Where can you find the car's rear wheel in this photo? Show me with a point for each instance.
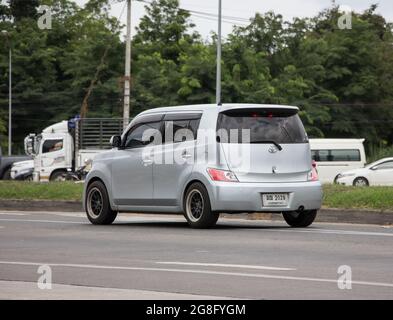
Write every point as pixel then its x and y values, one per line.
pixel 360 182
pixel 300 219
pixel 97 204
pixel 197 209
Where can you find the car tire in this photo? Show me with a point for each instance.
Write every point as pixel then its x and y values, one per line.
pixel 360 182
pixel 58 176
pixel 97 204
pixel 300 219
pixel 197 208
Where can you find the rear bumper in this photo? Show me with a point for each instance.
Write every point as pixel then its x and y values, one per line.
pixel 247 197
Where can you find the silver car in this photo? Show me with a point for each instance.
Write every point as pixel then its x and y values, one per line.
pixel 203 160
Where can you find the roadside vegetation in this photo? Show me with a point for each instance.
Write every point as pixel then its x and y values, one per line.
pixel 335 196
pixel 379 198
pixel 379 153
pixel 21 190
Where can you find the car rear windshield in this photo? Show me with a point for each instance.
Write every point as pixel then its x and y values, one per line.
pixel 263 125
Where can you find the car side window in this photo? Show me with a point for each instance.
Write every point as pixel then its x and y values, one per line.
pixel 336 155
pixel 180 130
pixel 52 145
pixel 385 165
pixel 193 126
pixel 142 134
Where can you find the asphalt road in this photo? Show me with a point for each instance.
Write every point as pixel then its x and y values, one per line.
pixel 160 257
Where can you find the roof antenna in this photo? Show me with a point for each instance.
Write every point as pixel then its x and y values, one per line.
pixel 218 75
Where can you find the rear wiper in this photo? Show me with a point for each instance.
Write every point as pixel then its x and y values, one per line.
pixel 269 141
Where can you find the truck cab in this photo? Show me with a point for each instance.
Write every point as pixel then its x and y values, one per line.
pixel 68 145
pixel 53 152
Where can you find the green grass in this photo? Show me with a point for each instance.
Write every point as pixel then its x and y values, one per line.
pixel 40 191
pixel 335 196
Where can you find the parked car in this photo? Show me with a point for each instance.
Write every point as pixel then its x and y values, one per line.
pixel 379 173
pixel 217 168
pixel 23 170
pixel 6 163
pixel 334 156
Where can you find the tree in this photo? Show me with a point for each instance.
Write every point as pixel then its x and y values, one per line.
pixel 162 29
pixel 20 9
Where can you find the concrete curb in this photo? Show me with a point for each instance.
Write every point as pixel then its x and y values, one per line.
pixel 41 205
pixel 353 216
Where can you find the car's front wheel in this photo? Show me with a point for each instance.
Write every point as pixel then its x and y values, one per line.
pixel 300 219
pixel 97 204
pixel 197 209
pixel 360 182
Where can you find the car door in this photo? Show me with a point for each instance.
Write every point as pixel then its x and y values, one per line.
pixel 177 156
pixel 132 170
pixel 382 174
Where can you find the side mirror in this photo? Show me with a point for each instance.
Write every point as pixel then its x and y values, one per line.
pixel 115 141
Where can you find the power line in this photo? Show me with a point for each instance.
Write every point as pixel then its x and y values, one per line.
pixel 210 16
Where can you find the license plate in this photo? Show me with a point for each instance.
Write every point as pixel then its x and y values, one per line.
pixel 275 199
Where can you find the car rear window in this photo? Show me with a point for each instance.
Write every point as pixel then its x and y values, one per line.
pixel 278 125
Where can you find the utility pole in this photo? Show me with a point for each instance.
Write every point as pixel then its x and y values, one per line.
pixel 6 34
pixel 218 75
pixel 127 73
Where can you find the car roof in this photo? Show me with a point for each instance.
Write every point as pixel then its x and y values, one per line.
pixel 384 160
pixel 223 107
pixel 336 141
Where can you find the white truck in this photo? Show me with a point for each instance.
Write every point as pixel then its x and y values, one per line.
pixel 67 145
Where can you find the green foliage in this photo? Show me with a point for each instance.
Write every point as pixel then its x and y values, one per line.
pixel 341 79
pixel 23 190
pixel 3 138
pixel 375 198
pixel 377 153
pixel 20 9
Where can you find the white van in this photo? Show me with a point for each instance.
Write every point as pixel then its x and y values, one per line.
pixel 334 156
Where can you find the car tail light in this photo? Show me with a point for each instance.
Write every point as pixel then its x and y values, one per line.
pixel 222 175
pixel 313 175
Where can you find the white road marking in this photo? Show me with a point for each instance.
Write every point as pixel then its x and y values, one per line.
pixel 13 213
pixel 267 229
pixel 221 273
pixel 240 266
pixel 330 231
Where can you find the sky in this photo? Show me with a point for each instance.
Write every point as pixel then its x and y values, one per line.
pixel 244 9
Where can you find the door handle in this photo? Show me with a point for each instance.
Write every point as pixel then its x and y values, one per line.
pixel 147 162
